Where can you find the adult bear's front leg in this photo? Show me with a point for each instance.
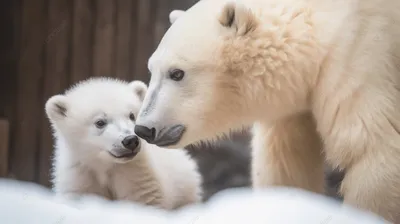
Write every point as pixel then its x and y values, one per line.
pixel 363 138
pixel 288 153
pixel 373 184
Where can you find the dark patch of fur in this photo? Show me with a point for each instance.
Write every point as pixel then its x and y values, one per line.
pixel 333 179
pixel 230 15
pixel 225 164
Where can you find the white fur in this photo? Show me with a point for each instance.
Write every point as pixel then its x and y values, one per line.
pixel 174 15
pixel 82 165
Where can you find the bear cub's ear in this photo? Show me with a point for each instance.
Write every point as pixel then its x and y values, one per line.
pixel 56 107
pixel 175 14
pixel 239 17
pixel 140 88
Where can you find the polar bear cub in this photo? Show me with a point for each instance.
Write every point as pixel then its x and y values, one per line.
pixel 97 151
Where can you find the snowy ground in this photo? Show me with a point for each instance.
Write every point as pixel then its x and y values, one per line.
pixel 27 203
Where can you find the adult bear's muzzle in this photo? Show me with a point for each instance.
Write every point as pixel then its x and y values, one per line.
pixel 164 137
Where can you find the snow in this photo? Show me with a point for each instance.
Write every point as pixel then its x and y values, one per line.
pixel 22 203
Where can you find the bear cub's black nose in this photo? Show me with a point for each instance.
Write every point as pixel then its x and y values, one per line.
pixel 130 142
pixel 145 133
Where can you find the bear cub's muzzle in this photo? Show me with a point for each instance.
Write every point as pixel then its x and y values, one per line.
pixel 131 147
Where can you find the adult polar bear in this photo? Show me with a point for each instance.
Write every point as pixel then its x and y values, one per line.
pixel 310 74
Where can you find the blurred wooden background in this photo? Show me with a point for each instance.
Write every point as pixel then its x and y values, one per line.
pixel 46 45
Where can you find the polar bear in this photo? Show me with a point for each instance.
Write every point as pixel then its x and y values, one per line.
pixel 97 152
pixel 319 79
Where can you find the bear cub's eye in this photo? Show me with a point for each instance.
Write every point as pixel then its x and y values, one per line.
pixel 176 74
pixel 100 123
pixel 132 116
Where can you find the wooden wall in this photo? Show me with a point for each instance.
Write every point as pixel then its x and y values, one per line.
pixel 49 44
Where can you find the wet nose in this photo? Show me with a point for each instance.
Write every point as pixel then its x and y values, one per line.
pixel 145 133
pixel 130 142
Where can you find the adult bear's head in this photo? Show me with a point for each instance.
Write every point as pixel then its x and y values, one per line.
pixel 218 68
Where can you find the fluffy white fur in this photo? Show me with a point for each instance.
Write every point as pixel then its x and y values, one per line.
pixel 83 164
pixel 320 78
pixel 174 15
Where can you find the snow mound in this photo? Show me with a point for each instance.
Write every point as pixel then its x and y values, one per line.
pixel 23 203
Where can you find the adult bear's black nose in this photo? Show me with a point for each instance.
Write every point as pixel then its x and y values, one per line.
pixel 145 133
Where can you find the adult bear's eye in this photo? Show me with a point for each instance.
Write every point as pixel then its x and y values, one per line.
pixel 100 123
pixel 176 74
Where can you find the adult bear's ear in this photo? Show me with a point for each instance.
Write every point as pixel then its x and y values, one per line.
pixel 175 14
pixel 237 16
pixel 56 108
pixel 139 88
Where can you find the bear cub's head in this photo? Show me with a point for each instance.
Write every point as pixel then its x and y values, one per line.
pixel 96 118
